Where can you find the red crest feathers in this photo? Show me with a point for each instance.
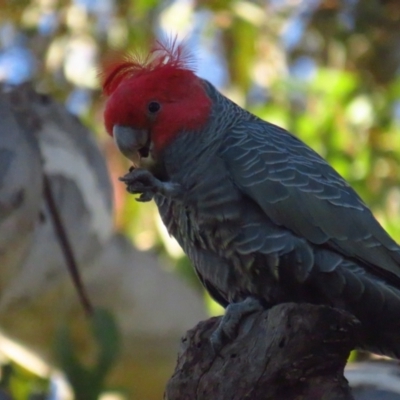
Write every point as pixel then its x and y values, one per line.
pixel 162 55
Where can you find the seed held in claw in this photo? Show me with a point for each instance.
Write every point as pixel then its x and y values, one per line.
pixel 135 157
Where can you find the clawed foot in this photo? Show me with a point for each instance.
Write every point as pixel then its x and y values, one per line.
pixel 141 181
pixel 227 328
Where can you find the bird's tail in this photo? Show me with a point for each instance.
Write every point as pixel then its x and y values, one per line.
pixel 371 299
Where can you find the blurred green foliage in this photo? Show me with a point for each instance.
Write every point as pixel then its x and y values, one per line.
pixel 17 383
pixel 88 382
pixel 346 104
pixel 87 378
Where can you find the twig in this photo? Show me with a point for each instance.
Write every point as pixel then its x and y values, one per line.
pixel 66 247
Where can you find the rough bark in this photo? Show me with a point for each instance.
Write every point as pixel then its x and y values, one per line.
pixel 291 352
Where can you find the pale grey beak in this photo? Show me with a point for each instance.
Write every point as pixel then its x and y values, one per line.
pixel 129 141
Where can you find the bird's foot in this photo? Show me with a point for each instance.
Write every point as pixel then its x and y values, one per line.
pixel 141 181
pixel 227 328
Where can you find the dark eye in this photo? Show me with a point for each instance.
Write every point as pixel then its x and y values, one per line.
pixel 153 107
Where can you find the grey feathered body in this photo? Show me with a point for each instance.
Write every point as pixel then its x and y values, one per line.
pixel 263 215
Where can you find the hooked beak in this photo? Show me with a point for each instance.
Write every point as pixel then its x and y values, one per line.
pixel 132 143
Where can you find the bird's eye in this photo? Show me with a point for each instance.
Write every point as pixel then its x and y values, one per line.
pixel 153 107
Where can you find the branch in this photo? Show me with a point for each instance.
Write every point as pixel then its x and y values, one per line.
pixel 291 352
pixel 66 247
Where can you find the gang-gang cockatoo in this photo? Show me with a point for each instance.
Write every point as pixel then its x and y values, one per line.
pixel 263 218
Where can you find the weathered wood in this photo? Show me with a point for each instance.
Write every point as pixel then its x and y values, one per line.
pixel 291 352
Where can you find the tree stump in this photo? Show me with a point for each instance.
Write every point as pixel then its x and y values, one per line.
pixel 290 352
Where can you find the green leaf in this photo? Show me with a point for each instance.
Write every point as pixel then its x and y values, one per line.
pixel 88 382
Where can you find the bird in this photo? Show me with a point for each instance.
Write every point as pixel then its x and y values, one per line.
pixel 263 218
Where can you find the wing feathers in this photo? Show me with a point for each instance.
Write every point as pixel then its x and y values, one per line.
pixel 298 190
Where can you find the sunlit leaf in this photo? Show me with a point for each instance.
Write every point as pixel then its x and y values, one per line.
pixel 89 381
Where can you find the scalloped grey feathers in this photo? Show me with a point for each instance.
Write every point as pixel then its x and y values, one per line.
pixel 263 215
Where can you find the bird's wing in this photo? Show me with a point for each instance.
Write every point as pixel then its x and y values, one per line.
pixel 298 190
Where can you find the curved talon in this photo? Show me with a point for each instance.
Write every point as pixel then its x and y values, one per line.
pixel 234 313
pixel 144 197
pixel 141 181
